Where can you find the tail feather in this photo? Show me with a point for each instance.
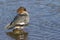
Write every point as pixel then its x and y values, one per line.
pixel 8 26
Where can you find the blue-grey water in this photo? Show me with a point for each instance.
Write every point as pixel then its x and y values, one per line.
pixel 44 18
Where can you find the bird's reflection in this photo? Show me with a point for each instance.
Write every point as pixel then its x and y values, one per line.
pixel 18 34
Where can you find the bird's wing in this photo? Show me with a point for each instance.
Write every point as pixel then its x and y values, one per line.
pixel 14 19
pixel 8 26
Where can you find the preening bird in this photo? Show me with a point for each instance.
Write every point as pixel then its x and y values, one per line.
pixel 20 20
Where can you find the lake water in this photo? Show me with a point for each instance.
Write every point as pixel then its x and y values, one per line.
pixel 44 18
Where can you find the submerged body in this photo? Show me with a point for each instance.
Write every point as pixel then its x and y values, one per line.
pixel 19 21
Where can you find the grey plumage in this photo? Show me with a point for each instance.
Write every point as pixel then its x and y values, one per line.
pixel 18 19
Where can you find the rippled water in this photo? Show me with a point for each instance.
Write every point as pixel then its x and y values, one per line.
pixel 44 18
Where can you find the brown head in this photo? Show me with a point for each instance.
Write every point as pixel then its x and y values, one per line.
pixel 21 10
